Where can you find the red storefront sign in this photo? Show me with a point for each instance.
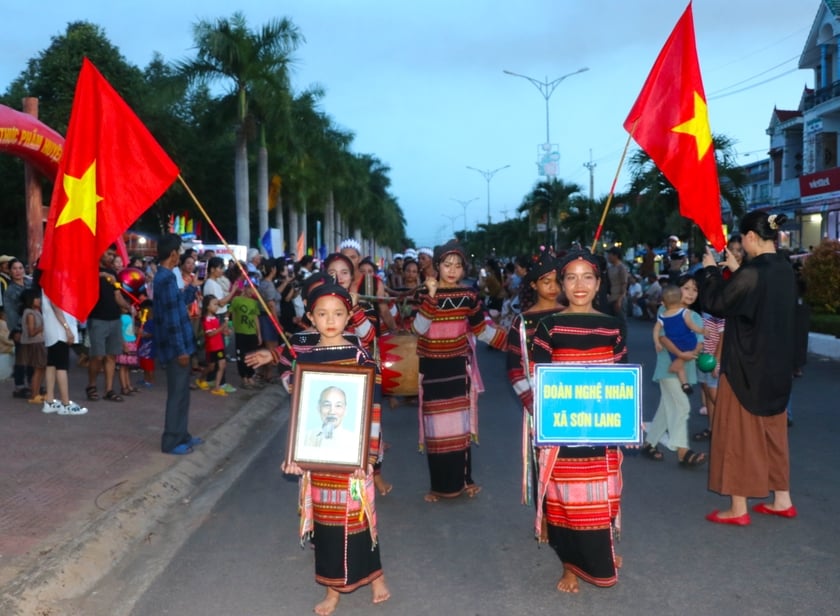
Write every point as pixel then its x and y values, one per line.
pixel 820 185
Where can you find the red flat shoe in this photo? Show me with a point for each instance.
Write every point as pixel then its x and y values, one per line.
pixel 790 512
pixel 741 520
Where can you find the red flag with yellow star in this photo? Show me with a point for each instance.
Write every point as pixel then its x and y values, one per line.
pixel 670 122
pixel 111 171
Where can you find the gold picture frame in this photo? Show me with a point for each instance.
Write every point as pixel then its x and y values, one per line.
pixel 330 417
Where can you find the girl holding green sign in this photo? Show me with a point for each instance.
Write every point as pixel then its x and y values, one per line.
pixel 579 488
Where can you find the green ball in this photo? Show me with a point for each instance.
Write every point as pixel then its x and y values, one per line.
pixel 706 362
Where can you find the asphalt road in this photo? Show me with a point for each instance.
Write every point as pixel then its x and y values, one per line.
pixel 477 557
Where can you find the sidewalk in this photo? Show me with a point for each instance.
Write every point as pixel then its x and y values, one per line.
pixel 77 491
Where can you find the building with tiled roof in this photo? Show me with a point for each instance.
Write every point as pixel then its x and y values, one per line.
pixel 804 170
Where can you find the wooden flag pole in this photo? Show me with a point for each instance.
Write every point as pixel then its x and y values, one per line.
pixel 612 189
pixel 242 270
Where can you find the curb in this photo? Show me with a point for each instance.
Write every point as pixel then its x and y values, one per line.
pixel 824 345
pixel 75 567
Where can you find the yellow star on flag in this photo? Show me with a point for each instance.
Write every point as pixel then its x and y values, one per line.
pixel 81 199
pixel 698 126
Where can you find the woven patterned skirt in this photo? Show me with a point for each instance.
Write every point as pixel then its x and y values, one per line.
pixel 445 409
pixel 346 556
pixel 581 506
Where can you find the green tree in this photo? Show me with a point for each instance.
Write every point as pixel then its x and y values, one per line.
pixel 228 50
pixel 548 201
pixel 51 78
pixel 821 273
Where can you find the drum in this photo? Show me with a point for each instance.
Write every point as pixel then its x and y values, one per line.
pixel 398 355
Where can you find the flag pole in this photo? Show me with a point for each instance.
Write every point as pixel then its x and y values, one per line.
pixel 242 270
pixel 612 189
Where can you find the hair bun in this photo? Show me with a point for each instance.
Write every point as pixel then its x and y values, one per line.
pixel 776 221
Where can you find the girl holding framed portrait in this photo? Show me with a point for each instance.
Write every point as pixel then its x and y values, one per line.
pixel 345 539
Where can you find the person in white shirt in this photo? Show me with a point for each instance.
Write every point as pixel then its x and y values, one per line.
pixel 634 294
pixel 60 332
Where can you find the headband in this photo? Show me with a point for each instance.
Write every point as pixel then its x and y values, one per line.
pixel 450 247
pixel 351 243
pixel 580 255
pixel 544 264
pixel 328 289
pixel 309 283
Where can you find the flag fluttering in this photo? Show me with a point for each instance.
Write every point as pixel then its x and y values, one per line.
pixel 299 252
pixel 111 171
pixel 670 122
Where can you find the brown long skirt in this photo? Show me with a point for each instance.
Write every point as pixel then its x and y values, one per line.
pixel 749 453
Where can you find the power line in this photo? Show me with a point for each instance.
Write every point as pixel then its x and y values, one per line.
pixel 755 85
pixel 738 83
pixel 762 49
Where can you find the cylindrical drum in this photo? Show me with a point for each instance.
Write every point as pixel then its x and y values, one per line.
pixel 398 354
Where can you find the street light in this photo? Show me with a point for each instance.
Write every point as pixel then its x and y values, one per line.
pixel 488 175
pixel 451 220
pixel 464 203
pixel 546 88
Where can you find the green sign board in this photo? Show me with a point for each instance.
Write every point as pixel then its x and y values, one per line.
pixel 587 404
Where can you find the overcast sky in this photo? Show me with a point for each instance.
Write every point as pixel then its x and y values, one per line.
pixel 420 84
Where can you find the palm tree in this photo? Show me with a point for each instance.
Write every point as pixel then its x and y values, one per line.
pixel 654 204
pixel 548 200
pixel 311 167
pixel 269 106
pixel 227 49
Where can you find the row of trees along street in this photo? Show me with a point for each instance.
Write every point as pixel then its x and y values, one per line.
pixel 292 164
pixel 303 161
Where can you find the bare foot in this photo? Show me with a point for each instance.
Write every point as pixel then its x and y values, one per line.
pixel 618 562
pixel 380 590
pixel 472 490
pixel 328 605
pixel 431 497
pixel 568 583
pixel 383 486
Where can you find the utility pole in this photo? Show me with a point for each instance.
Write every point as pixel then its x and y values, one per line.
pixel 591 166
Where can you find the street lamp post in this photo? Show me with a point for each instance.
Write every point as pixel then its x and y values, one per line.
pixel 451 218
pixel 488 175
pixel 546 88
pixel 464 203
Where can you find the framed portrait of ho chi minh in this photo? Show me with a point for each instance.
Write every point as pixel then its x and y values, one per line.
pixel 330 416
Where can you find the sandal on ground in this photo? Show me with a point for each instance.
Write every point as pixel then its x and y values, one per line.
pixel 652 453
pixel 113 396
pixel 91 393
pixel 692 459
pixel 687 389
pixel 705 435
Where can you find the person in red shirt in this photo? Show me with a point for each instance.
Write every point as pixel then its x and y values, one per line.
pixel 214 342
